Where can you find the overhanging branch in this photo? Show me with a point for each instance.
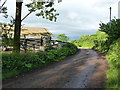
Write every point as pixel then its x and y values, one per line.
pixel 2 4
pixel 27 15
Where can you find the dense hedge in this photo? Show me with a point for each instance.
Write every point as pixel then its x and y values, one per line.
pixel 14 64
pixel 113 73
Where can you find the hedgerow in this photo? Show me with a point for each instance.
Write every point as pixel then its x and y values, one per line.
pixel 15 64
pixel 113 57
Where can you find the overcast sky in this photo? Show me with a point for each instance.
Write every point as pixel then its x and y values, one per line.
pixel 77 17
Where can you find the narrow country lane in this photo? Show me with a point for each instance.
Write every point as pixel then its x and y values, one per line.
pixel 85 69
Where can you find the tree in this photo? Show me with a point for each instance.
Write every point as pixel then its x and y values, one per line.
pixel 45 9
pixel 62 37
pixel 7 39
pixel 16 44
pixel 76 42
pixel 112 29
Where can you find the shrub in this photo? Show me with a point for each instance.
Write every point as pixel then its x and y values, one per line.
pixel 113 57
pixel 101 42
pixel 76 42
pixel 112 29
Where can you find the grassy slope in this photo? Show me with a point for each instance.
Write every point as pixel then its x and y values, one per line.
pixel 113 57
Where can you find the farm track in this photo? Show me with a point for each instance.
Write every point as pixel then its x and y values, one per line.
pixel 85 69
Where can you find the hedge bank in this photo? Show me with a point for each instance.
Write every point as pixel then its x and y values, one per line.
pixel 15 64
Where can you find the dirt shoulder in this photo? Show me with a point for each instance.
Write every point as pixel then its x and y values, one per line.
pixel 85 69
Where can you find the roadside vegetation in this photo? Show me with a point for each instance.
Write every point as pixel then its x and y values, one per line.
pixel 113 73
pixel 106 40
pixel 15 64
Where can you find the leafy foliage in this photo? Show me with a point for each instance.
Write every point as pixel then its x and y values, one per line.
pixel 45 9
pixel 86 41
pixel 100 43
pixel 111 32
pixel 113 57
pixel 95 41
pixel 62 37
pixel 7 39
pixel 76 42
pixel 112 29
pixel 3 9
pixel 14 64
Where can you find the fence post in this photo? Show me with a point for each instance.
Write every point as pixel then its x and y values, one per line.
pixel 25 43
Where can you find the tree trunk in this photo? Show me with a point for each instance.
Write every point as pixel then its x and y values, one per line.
pixel 17 30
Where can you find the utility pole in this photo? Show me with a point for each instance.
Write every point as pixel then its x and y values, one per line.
pixel 119 10
pixel 110 13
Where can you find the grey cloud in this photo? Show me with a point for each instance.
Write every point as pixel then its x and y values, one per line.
pixel 86 23
pixel 104 3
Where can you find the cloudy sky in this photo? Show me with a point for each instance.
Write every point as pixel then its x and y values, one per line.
pixel 77 17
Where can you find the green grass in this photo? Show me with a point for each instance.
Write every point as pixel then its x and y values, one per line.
pixel 112 78
pixel 113 57
pixel 9 74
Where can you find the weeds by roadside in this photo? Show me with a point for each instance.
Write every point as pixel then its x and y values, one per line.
pixel 15 64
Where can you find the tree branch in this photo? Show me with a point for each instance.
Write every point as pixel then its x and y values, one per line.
pixel 27 15
pixel 3 4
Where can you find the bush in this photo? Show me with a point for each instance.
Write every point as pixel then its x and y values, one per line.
pixel 112 29
pixel 76 42
pixel 113 57
pixel 101 42
pixel 15 64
